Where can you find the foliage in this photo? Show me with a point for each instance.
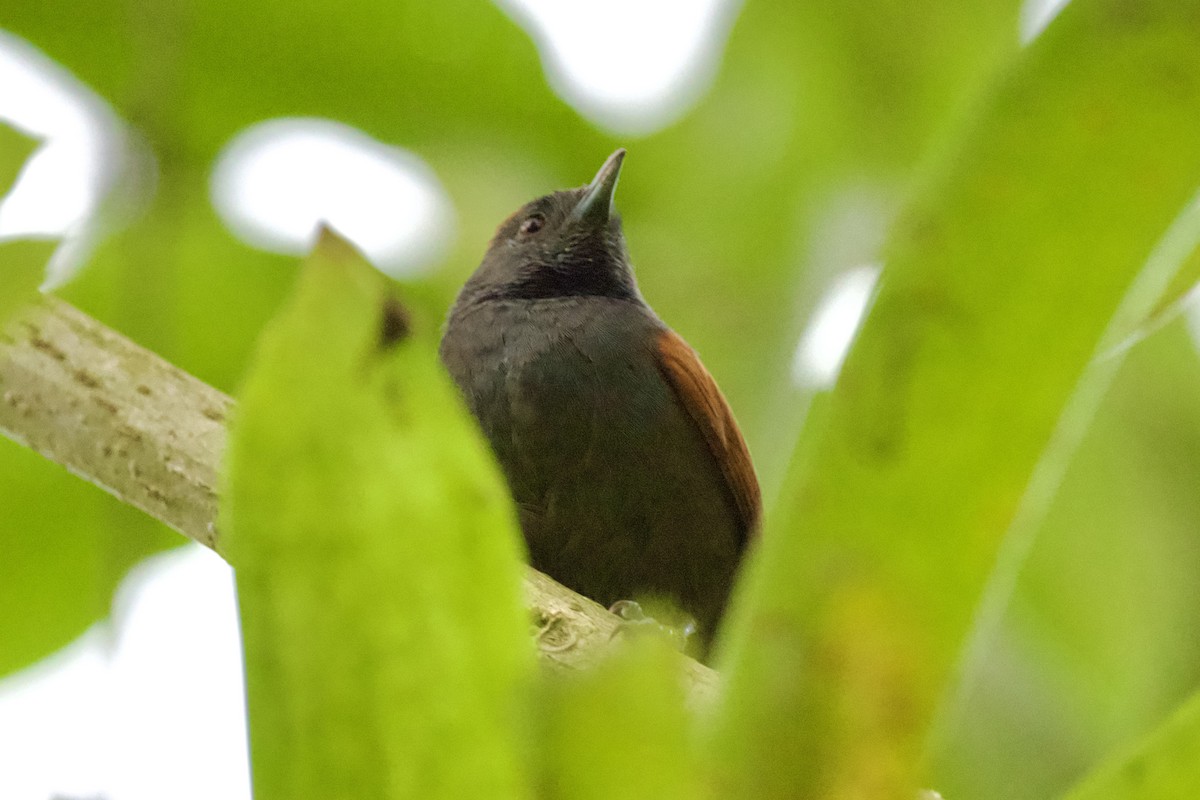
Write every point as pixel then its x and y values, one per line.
pixel 377 562
pixel 1167 764
pixel 15 149
pixel 22 262
pixel 978 571
pixel 926 422
pixel 619 731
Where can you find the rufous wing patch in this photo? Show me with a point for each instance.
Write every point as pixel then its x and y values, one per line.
pixel 705 404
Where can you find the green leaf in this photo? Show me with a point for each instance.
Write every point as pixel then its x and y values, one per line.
pixel 619 731
pixel 15 149
pixel 22 269
pixel 1089 653
pixel 377 559
pixel 1001 279
pixel 22 262
pixel 1163 767
pixel 1087 629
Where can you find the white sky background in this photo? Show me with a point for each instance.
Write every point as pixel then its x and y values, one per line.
pixel 130 707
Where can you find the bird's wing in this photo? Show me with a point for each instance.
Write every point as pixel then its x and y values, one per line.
pixel 705 404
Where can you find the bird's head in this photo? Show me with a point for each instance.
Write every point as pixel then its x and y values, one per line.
pixel 565 244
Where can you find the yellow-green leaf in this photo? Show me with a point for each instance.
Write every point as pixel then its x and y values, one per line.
pixel 620 731
pixel 378 565
pixel 1166 766
pixel 22 269
pixel 1088 653
pixel 1000 281
pixel 15 149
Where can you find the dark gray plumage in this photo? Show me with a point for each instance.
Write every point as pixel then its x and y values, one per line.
pixel 629 474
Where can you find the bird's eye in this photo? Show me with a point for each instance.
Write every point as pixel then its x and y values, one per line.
pixel 532 224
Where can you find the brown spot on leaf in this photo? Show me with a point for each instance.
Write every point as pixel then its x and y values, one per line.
pixel 395 324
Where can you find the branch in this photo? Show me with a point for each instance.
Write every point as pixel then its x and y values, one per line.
pixel 151 435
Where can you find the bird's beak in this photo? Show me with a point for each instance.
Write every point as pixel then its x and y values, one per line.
pixel 596 204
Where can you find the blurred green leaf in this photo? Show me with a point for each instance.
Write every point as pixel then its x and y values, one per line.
pixel 22 262
pixel 15 149
pixel 22 269
pixel 1089 654
pixel 1165 766
pixel 1000 280
pixel 64 547
pixel 454 82
pixel 377 561
pixel 619 731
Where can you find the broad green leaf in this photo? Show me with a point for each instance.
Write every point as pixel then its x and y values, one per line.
pixel 1000 280
pixel 619 731
pixel 15 149
pixel 377 561
pixel 1089 653
pixel 64 547
pixel 1166 766
pixel 1111 506
pixel 22 269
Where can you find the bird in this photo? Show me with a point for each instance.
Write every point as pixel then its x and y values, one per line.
pixel 630 476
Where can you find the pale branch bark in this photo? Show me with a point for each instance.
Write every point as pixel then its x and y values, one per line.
pixel 148 433
pixel 115 414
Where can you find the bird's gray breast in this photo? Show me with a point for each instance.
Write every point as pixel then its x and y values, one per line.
pixel 617 490
pixel 561 387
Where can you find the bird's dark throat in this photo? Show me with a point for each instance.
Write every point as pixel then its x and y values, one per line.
pixel 573 280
